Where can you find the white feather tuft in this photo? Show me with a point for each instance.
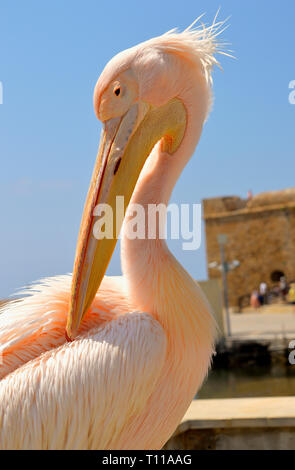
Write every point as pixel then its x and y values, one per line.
pixel 197 44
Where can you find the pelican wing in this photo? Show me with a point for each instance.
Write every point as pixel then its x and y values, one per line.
pixel 36 323
pixel 85 394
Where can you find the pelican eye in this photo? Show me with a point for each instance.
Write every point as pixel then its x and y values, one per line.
pixel 117 91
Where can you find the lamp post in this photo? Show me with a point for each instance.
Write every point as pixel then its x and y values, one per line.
pixel 222 240
pixel 224 267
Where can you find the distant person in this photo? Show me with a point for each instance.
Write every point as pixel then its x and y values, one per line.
pixel 263 293
pixel 283 287
pixel 254 299
pixel 291 294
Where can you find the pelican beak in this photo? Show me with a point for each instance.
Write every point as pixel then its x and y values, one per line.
pixel 115 174
pixel 125 144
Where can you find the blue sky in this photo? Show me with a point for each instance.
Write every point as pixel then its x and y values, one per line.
pixel 51 55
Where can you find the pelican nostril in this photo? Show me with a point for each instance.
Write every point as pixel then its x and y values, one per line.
pixel 117 165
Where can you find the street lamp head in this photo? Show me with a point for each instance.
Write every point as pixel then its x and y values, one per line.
pixel 213 265
pixel 222 238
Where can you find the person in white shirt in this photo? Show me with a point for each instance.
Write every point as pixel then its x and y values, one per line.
pixel 263 292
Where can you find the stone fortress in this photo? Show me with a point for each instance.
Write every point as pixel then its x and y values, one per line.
pixel 260 235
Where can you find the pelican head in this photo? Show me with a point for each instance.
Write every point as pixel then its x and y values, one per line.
pixel 140 99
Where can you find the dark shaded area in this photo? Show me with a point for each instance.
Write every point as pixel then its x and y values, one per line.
pixel 248 438
pixel 249 370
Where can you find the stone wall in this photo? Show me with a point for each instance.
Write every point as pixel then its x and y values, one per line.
pixel 262 438
pixel 262 423
pixel 213 292
pixel 261 235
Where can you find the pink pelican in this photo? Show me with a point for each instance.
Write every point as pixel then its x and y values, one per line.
pixel 141 344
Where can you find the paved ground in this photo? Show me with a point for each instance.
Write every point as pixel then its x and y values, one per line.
pixel 256 324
